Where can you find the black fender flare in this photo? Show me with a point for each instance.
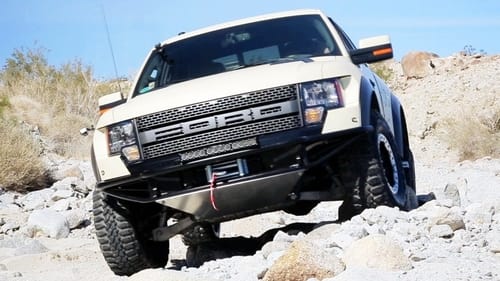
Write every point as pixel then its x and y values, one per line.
pixel 400 130
pixel 367 104
pixel 366 96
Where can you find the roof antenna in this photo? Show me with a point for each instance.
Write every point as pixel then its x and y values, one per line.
pixel 111 47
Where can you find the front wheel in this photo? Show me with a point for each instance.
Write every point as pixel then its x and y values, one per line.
pixel 374 173
pixel 125 247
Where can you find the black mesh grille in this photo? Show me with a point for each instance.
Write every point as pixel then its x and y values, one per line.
pixel 221 136
pixel 212 107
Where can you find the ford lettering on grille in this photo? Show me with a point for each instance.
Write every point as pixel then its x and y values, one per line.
pixel 219 121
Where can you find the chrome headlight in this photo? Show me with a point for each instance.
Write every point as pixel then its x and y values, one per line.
pixel 122 139
pixel 317 96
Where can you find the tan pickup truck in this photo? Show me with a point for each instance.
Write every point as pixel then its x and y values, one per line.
pixel 275 112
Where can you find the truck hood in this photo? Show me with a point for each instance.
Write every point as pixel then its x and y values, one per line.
pixel 227 84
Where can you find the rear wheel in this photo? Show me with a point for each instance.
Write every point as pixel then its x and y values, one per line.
pixel 125 247
pixel 374 173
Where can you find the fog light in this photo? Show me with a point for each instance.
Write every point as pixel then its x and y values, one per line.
pixel 313 115
pixel 131 153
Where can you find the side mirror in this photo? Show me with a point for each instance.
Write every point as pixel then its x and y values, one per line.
pixel 372 49
pixel 109 101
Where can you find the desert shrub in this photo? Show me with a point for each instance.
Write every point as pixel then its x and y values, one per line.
pixel 59 100
pixel 383 71
pixel 474 135
pixel 471 51
pixel 21 169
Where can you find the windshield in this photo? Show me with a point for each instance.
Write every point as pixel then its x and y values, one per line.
pixel 276 40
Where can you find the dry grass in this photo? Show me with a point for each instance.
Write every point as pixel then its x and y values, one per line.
pixel 57 100
pixel 21 166
pixel 475 135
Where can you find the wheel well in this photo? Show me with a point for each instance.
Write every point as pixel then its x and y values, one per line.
pixel 374 103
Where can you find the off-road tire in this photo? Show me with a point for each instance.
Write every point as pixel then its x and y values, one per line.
pixel 125 250
pixel 373 173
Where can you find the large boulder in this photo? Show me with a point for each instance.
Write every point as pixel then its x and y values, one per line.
pixel 305 260
pixel 48 223
pixel 377 251
pixel 418 64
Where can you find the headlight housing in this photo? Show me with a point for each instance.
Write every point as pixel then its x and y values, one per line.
pixel 316 96
pixel 122 139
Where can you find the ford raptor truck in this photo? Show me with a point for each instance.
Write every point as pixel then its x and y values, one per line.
pixel 275 112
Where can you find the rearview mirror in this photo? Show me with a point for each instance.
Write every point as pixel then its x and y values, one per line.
pixel 372 49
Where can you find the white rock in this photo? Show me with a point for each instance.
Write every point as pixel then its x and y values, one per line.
pixel 86 203
pixel 88 176
pixel 495 220
pixel 36 199
pixel 274 246
pixel 452 193
pixel 356 273
pixel 355 228
pixel 377 251
pixel 8 198
pixel 33 246
pixel 273 257
pixel 67 183
pixel 390 214
pixel 441 231
pixel 60 205
pixel 48 223
pixel 479 216
pixel 407 230
pixel 446 216
pixel 284 237
pixel 342 240
pixel 61 194
pixel 9 226
pixel 495 247
pixel 10 207
pixel 75 217
pixel 326 235
pixel 66 169
pixel 165 274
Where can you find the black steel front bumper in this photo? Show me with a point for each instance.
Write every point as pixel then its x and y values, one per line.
pixel 166 181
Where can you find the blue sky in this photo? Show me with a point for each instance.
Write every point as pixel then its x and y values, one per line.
pixel 72 29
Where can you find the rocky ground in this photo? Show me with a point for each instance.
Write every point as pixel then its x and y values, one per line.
pixel 49 235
